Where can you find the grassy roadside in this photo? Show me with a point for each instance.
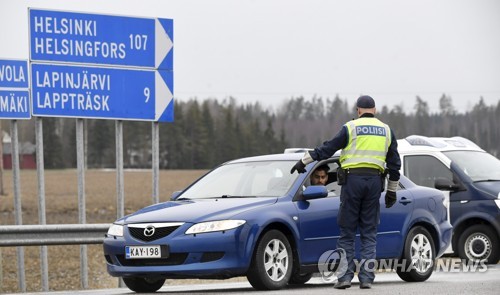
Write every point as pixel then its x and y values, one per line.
pixel 61 202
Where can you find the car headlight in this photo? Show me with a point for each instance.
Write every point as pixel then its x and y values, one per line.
pixel 116 230
pixel 212 226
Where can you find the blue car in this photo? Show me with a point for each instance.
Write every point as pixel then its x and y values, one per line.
pixel 251 217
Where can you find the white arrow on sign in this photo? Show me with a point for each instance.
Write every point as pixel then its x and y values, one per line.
pixel 163 43
pixel 163 96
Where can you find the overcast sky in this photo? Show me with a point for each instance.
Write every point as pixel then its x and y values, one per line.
pixel 269 50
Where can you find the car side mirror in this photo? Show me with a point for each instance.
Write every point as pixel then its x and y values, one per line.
pixel 314 192
pixel 446 185
pixel 175 195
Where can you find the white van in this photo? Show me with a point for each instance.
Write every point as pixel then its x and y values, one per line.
pixel 470 178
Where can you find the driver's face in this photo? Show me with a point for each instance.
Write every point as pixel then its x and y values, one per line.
pixel 319 177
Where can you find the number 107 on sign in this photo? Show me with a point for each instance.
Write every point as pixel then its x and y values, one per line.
pixel 138 42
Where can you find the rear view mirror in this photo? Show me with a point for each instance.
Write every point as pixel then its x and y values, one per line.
pixel 314 192
pixel 175 195
pixel 445 184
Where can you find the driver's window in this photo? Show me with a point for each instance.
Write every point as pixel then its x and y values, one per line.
pixel 325 174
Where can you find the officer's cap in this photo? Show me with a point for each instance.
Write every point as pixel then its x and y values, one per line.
pixel 365 102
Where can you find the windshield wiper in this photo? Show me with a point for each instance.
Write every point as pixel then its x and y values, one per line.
pixel 486 180
pixel 183 199
pixel 230 196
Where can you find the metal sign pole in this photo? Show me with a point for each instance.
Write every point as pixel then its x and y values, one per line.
pixel 17 201
pixel 40 166
pixel 119 169
pixel 80 160
pixel 120 211
pixel 156 161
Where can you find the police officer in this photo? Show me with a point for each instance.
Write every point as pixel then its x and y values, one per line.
pixel 369 147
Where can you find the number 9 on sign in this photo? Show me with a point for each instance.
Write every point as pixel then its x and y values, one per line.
pixel 147 93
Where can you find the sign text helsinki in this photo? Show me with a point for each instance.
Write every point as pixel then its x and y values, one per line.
pixel 101 39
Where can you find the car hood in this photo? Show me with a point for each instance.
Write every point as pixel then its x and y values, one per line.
pixel 197 210
pixel 491 187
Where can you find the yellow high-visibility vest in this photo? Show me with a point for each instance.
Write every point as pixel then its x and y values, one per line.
pixel 369 141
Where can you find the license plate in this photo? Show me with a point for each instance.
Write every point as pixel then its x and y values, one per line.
pixel 151 251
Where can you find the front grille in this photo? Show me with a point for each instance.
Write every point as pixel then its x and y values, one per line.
pixel 160 232
pixel 173 259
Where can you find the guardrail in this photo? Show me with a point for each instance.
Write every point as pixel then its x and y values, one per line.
pixel 52 234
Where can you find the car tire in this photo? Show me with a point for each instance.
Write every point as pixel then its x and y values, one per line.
pixel 418 256
pixel 143 285
pixel 479 242
pixel 272 262
pixel 300 278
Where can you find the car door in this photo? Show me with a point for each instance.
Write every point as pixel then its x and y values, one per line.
pixel 318 221
pixel 425 169
pixel 320 232
pixel 394 223
pixel 318 227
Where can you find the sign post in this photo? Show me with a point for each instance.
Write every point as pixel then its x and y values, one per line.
pixel 103 67
pixel 14 105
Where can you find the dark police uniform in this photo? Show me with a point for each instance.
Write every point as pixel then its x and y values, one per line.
pixel 368 147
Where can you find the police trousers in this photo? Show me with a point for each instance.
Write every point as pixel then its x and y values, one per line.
pixel 359 210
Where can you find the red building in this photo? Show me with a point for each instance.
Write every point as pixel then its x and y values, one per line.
pixel 27 152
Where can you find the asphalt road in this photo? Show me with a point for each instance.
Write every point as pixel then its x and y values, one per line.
pixel 440 282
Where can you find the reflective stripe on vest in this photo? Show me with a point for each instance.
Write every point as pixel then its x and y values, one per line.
pixel 369 141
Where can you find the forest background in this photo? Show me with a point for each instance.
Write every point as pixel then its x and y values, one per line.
pixel 209 132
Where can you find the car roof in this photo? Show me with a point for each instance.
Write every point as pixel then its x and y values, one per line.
pixel 440 144
pixel 271 157
pixel 286 156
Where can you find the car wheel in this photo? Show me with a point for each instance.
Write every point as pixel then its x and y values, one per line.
pixel 418 256
pixel 300 278
pixel 479 242
pixel 271 266
pixel 143 285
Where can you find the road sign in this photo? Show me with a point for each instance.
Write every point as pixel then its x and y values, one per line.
pixel 13 73
pixel 101 92
pixel 15 104
pixel 72 37
pixel 14 93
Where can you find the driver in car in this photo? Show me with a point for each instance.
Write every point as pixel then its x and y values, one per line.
pixel 320 175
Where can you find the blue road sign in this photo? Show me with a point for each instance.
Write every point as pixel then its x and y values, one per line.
pixel 15 104
pixel 72 37
pixel 13 73
pixel 101 92
pixel 14 93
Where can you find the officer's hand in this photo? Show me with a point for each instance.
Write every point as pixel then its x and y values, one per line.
pixel 299 166
pixel 390 199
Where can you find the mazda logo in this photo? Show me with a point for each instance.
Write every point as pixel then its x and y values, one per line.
pixel 149 231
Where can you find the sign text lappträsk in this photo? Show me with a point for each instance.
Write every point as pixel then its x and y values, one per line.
pixel 102 92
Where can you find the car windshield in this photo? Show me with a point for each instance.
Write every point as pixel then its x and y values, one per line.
pixel 479 166
pixel 244 180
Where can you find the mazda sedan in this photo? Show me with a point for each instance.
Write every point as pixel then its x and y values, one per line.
pixel 251 217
